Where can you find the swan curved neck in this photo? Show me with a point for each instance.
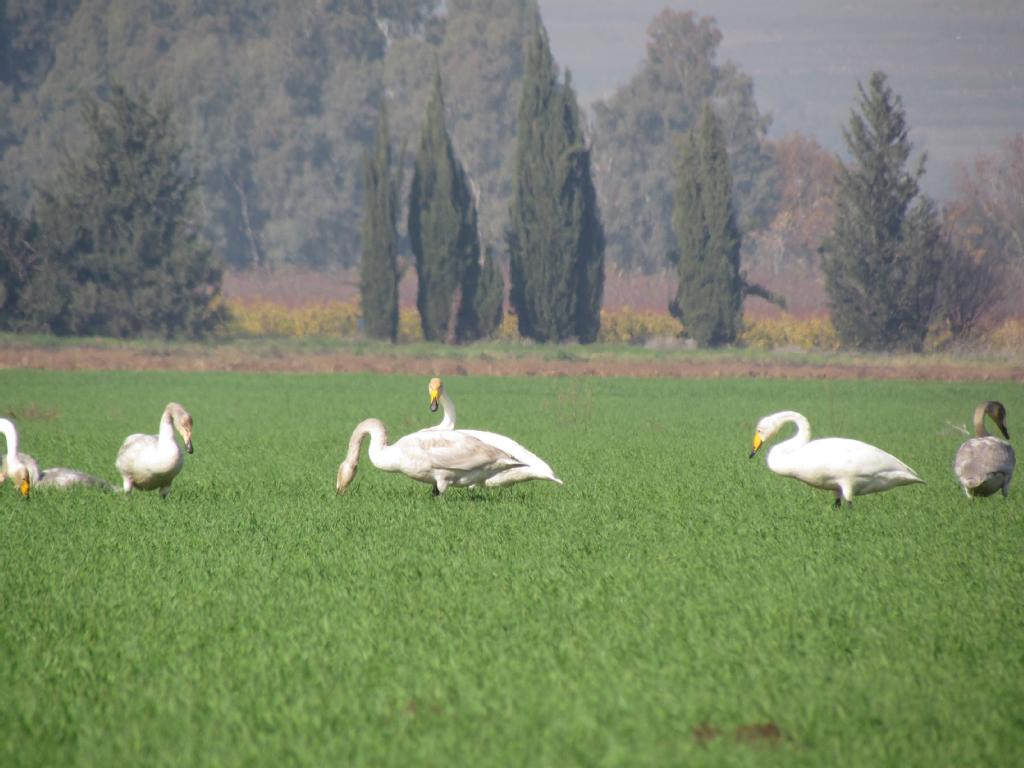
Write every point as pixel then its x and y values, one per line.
pixel 979 421
pixel 9 432
pixel 803 431
pixel 378 433
pixel 166 434
pixel 448 422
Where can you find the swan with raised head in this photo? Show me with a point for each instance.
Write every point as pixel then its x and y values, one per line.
pixel 439 457
pixel 532 467
pixel 54 477
pixel 847 467
pixel 984 464
pixel 148 462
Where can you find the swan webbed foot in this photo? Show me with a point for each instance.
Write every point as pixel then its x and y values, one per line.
pixel 838 502
pixel 434 491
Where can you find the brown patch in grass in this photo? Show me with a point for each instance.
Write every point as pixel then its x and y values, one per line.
pixel 31 412
pixel 227 358
pixel 751 734
pixel 758 734
pixel 706 733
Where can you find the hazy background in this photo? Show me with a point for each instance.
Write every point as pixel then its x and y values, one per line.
pixel 959 66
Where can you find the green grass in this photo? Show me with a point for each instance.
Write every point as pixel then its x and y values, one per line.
pixel 671 588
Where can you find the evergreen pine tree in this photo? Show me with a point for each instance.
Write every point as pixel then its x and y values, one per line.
pixel 882 261
pixel 121 255
pixel 709 300
pixel 378 276
pixel 555 238
pixel 444 238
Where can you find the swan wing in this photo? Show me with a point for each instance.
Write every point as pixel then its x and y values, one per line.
pixel 452 450
pixel 133 449
pixel 533 466
pixel 832 462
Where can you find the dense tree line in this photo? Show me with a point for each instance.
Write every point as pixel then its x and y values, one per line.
pixel 284 157
pixel 279 101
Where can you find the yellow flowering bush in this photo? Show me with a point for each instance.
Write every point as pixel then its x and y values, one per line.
pixel 265 318
pixel 620 326
pixel 1007 335
pixel 815 332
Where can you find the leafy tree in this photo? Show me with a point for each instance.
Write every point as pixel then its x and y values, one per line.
pixel 640 126
pixel 805 181
pixel 882 261
pixel 556 241
pixel 990 206
pixel 119 254
pixel 443 234
pixel 378 282
pixel 977 268
pixel 970 286
pixel 709 301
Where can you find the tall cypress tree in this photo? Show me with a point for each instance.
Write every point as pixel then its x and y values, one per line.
pixel 378 283
pixel 882 261
pixel 555 238
pixel 709 300
pixel 456 290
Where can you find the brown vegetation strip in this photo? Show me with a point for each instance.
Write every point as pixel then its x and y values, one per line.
pixel 227 359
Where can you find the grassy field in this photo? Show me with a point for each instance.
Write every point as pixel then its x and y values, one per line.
pixel 673 604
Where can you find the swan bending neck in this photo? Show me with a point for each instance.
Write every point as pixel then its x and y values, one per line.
pixel 378 434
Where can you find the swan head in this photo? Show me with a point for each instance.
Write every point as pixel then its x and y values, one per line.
pixel 434 389
pixel 183 423
pixel 997 412
pixel 346 471
pixel 21 481
pixel 758 442
pixel 765 430
pixel 769 425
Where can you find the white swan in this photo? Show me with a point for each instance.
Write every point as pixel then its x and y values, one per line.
pixel 439 457
pixel 62 477
pixel 984 464
pixel 532 467
pixel 54 477
pixel 147 462
pixel 13 459
pixel 848 467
